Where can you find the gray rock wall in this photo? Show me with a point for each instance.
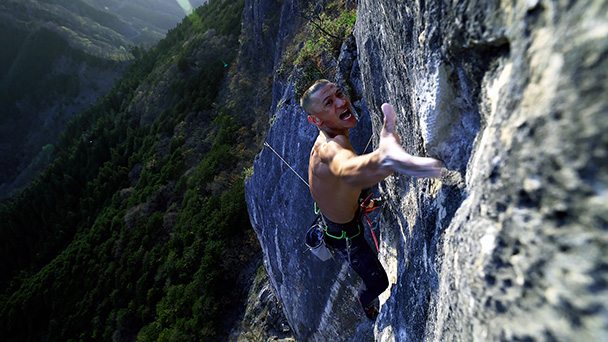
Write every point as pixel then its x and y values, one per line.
pixel 317 297
pixel 510 245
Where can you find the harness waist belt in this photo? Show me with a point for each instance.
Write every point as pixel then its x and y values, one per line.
pixel 348 230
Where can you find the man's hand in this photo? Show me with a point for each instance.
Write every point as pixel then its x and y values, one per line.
pixel 394 157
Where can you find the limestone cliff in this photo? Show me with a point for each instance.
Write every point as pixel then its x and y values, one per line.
pixel 510 245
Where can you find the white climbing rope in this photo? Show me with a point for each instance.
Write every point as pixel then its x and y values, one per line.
pixel 286 163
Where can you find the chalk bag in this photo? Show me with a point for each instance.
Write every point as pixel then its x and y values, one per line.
pixel 315 240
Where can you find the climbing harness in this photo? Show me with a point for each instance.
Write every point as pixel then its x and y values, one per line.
pixel 315 243
pixel 343 235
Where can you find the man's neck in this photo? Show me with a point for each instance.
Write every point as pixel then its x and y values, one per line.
pixel 330 134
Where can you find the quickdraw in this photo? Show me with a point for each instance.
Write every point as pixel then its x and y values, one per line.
pixel 367 208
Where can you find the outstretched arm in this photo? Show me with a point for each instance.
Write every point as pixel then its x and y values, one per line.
pixel 393 156
pixel 369 169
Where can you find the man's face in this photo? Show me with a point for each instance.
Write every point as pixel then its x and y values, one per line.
pixel 331 107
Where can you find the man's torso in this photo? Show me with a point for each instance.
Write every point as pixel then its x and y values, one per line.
pixel 337 201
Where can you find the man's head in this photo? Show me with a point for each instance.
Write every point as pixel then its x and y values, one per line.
pixel 306 100
pixel 328 107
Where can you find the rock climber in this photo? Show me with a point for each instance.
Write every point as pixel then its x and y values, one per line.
pixel 337 176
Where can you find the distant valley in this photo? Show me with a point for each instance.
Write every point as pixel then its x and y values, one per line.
pixel 57 58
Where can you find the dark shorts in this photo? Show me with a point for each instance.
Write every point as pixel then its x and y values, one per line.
pixel 362 258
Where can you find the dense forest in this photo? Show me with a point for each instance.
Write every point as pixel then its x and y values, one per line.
pixel 57 58
pixel 44 81
pixel 138 229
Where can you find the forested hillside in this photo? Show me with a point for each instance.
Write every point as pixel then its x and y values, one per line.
pixel 56 58
pixel 138 229
pixel 44 81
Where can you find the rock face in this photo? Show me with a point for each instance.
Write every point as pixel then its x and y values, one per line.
pixel 510 245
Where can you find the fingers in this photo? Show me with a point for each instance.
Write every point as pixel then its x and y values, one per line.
pixel 432 169
pixel 426 163
pixel 429 167
pixel 395 157
pixel 389 118
pixel 426 174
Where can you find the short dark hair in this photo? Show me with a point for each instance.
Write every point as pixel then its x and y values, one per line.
pixel 305 100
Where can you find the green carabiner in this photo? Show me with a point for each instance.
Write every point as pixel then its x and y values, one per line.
pixel 343 236
pixel 336 237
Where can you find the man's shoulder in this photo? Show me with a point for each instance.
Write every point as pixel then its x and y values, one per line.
pixel 340 140
pixel 336 142
pixel 327 145
pixel 327 150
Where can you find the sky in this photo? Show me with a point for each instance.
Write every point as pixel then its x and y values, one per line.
pixel 185 5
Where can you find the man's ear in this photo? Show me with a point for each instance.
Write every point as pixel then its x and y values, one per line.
pixel 314 120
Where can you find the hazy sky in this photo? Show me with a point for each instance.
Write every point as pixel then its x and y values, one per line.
pixel 185 4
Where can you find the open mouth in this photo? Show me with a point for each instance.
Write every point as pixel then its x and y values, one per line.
pixel 346 115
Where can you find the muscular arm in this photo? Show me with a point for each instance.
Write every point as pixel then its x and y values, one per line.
pixel 356 171
pixel 367 170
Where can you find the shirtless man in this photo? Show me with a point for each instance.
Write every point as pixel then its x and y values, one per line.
pixel 337 175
